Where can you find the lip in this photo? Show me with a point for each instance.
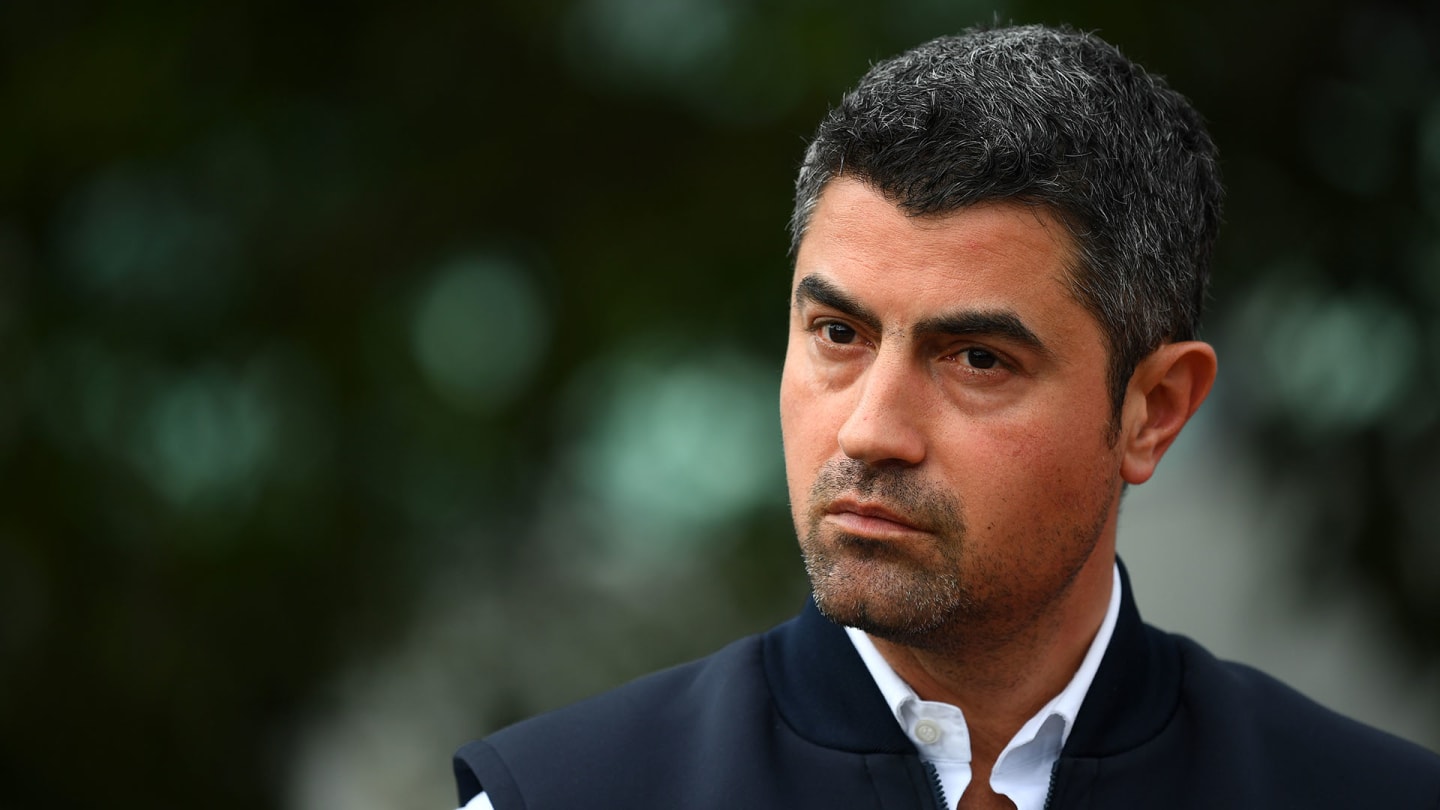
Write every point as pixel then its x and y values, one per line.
pixel 868 519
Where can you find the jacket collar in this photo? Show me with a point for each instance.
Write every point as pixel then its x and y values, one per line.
pixel 1136 690
pixel 823 690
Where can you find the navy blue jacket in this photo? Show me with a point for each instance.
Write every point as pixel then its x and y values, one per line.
pixel 791 720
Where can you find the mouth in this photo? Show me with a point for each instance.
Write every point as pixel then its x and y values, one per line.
pixel 869 519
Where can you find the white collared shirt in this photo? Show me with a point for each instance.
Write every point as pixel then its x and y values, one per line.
pixel 938 730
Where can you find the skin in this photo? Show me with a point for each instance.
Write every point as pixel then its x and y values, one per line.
pixel 952 473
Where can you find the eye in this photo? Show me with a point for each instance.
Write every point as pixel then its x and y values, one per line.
pixel 837 332
pixel 979 358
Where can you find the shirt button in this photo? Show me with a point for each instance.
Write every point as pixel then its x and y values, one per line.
pixel 928 732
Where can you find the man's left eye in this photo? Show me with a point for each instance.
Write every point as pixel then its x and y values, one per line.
pixel 981 359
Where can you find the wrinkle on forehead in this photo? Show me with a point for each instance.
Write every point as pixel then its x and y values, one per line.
pixel 852 223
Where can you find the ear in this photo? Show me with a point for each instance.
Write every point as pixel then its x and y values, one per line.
pixel 1165 391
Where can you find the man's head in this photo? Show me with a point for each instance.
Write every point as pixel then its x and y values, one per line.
pixel 1052 118
pixel 1000 250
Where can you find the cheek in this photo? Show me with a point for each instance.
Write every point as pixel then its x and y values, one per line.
pixel 799 431
pixel 811 415
pixel 807 408
pixel 1032 466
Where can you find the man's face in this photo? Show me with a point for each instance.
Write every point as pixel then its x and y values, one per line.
pixel 945 414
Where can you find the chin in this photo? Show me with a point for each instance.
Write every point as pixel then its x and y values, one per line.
pixel 885 597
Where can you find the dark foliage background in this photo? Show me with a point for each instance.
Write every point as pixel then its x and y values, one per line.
pixel 317 319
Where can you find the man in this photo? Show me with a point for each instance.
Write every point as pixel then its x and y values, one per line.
pixel 1001 250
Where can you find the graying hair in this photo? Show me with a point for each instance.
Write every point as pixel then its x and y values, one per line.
pixel 1055 118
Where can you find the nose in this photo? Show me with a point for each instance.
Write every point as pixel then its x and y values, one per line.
pixel 885 426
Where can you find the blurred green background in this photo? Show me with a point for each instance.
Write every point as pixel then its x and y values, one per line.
pixel 378 374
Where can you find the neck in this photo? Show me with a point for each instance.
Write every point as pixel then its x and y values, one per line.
pixel 1000 685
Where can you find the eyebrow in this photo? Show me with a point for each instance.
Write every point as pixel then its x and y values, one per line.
pixel 814 289
pixel 1006 324
pixel 997 323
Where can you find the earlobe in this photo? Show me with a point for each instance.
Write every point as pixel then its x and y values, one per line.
pixel 1165 391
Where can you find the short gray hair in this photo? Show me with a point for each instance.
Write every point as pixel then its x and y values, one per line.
pixel 1055 118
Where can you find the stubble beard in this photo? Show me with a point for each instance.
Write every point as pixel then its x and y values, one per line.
pixel 908 595
pixel 944 595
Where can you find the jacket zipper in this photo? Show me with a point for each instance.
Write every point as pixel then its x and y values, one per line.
pixel 1050 791
pixel 935 783
pixel 940 789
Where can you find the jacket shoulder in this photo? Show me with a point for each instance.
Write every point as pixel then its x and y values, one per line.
pixel 677 694
pixel 1293 740
pixel 598 741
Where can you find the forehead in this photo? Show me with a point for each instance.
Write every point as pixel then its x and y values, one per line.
pixel 994 255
